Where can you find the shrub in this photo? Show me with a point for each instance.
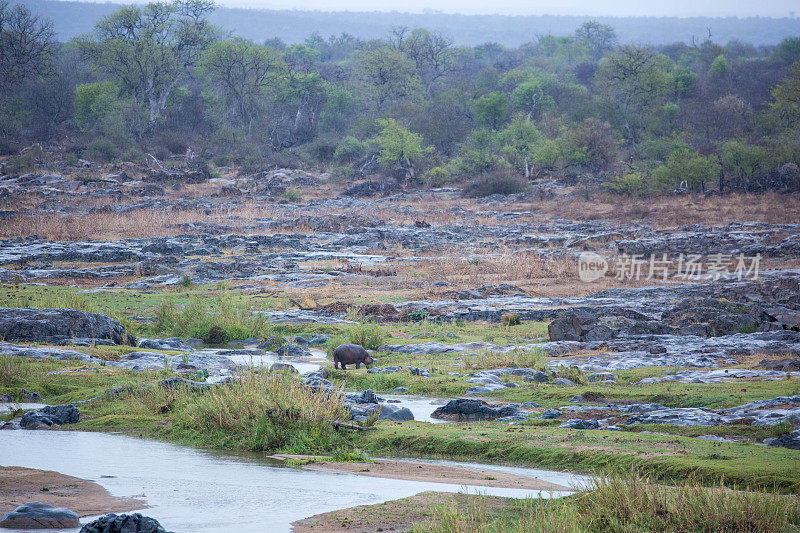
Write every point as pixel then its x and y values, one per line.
pixel 370 336
pixel 216 335
pixel 685 166
pixel 264 411
pixel 349 150
pixel 437 176
pixel 293 195
pixel 510 319
pixel 496 183
pixel 630 184
pixel 101 150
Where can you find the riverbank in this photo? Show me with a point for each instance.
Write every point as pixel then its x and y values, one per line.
pixel 22 485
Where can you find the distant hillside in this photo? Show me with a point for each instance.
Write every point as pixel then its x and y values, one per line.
pixel 74 18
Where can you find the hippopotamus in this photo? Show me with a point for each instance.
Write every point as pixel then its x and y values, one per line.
pixel 349 354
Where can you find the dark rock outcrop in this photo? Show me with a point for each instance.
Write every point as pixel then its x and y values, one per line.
pixel 463 409
pixel 58 325
pixel 37 515
pixel 51 415
pixel 124 523
pixel 578 326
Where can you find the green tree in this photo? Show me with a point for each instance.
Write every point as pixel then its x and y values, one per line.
pixel 638 80
pixel 491 110
pixel 148 50
pixel 719 67
pixel 530 97
pixel 518 140
pixel 786 98
pixel 431 52
pixel 400 148
pixel 94 102
pixel 685 167
pixel 741 163
pixel 243 71
pixel 390 73
pixel 597 37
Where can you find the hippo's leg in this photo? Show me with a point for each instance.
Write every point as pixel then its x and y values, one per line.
pixel 358 365
pixel 335 363
pixel 344 366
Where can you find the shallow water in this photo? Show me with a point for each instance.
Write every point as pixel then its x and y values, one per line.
pixel 10 407
pixel 195 490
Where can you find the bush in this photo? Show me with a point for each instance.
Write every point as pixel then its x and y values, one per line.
pixel 101 150
pixel 370 336
pixel 630 184
pixel 437 176
pixel 685 166
pixel 510 319
pixel 349 150
pixel 496 183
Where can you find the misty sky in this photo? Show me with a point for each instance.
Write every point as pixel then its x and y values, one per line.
pixel 682 8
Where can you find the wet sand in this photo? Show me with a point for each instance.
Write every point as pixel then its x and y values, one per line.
pixel 435 473
pixel 22 485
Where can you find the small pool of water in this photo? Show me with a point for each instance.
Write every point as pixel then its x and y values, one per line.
pixel 10 407
pixel 195 490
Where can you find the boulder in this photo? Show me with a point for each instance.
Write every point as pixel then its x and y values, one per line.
pixel 601 376
pixel 399 390
pixel 283 367
pixel 538 377
pixel 58 325
pixel 786 441
pixel 50 415
pixel 564 382
pixel 171 343
pixel 577 423
pixel 124 523
pixel 292 350
pixel 579 326
pixel 37 515
pixel 395 413
pixel 368 396
pixel 462 409
pixel 784 365
pixel 550 414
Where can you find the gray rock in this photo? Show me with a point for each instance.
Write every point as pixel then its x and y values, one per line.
pixel 550 414
pixel 421 372
pixel 399 390
pixel 37 515
pixel 395 413
pixel 601 376
pixel 367 396
pixel 58 325
pixel 538 377
pixel 564 382
pixel 124 523
pixel 577 423
pixel 283 367
pixel 462 409
pixel 50 415
pixel 786 441
pixel 529 405
pixel 292 350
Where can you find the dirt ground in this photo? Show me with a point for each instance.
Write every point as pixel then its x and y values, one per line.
pixel 22 485
pixel 396 515
pixel 433 473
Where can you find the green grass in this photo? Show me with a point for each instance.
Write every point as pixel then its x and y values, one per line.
pixel 669 458
pixel 628 502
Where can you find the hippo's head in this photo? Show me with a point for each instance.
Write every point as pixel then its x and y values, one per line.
pixel 368 360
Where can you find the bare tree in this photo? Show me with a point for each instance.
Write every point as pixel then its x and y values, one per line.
pixel 26 45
